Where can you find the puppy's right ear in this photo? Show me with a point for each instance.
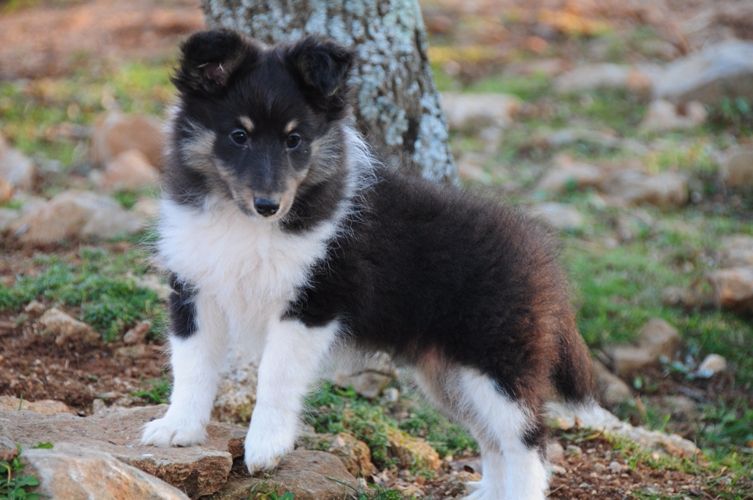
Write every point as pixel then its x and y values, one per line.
pixel 208 61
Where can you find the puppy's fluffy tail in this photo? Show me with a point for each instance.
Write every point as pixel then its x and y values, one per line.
pixel 573 372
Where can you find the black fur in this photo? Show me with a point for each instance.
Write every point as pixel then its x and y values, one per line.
pixel 182 309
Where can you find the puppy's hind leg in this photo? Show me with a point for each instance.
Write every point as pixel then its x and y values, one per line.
pixel 513 467
pixel 289 365
pixel 197 349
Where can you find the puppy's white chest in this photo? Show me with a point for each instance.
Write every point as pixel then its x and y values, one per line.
pixel 249 265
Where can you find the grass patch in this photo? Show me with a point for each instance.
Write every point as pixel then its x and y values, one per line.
pixel 334 409
pixel 158 392
pixel 444 436
pixel 37 113
pixel 14 484
pixel 100 286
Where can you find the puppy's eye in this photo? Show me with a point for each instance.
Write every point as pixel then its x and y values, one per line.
pixel 292 141
pixel 239 136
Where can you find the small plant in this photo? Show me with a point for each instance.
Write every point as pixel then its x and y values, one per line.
pixel 735 113
pixel 14 484
pixel 444 436
pixel 158 392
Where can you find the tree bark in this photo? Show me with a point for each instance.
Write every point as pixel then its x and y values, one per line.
pixel 395 102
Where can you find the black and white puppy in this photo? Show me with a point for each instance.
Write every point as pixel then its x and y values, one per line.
pixel 282 232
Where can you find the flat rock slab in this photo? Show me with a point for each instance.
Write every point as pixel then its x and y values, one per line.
pixel 308 475
pixel 196 470
pixel 72 472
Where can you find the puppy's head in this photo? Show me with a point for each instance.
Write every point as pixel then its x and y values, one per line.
pixel 256 123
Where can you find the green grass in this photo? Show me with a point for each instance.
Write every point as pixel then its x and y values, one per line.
pixel 99 286
pixel 334 409
pixel 444 436
pixel 157 393
pixel 14 484
pixel 36 112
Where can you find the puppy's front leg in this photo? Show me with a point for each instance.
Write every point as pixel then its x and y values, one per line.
pixel 289 366
pixel 197 349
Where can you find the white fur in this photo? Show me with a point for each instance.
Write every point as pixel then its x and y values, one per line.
pixel 196 363
pixel 289 366
pixel 517 472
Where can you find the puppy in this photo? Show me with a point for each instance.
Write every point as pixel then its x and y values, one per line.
pixel 283 233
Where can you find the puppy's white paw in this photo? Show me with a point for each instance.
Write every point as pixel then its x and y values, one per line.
pixel 169 431
pixel 265 453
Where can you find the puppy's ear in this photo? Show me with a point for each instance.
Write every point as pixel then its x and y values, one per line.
pixel 322 68
pixel 209 59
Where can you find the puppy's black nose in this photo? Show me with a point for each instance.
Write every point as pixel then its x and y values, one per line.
pixel 265 206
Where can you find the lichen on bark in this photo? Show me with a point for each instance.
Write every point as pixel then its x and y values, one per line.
pixel 395 102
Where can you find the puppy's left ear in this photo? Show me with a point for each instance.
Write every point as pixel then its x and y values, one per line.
pixel 322 68
pixel 209 59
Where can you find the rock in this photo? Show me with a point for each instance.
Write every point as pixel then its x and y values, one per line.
pixel 411 451
pixel 656 339
pixel 695 297
pixel 665 190
pixel 307 475
pixel 154 283
pixel 614 467
pixel 568 177
pixel 737 168
pixel 236 395
pixel 577 135
pixel 137 351
pixel 137 334
pixel 555 453
pixel 16 169
pixel 589 77
pixel 736 251
pixel 129 170
pixel 663 116
pixel 35 309
pixel 43 407
pixel 66 329
pixel 478 110
pixel 197 470
pixel 559 215
pixel 612 390
pixel 574 450
pixel 76 214
pixel 355 454
pixel 147 208
pixel 8 449
pixel 8 217
pixel 733 288
pixel 6 191
pixel 116 133
pixel 367 374
pixel 659 338
pixel 628 360
pixel 723 70
pixel 564 416
pixel 71 471
pixel 711 365
pixel 681 408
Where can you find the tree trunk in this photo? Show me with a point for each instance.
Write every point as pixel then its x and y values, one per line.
pixel 396 105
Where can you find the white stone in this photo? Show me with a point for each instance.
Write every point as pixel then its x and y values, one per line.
pixel 478 110
pixel 711 365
